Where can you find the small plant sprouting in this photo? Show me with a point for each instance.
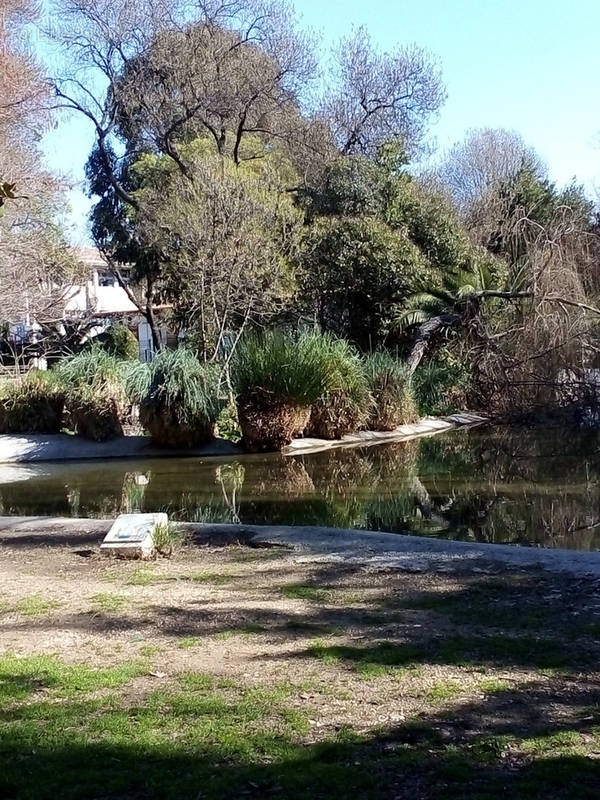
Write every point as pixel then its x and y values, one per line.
pixel 167 537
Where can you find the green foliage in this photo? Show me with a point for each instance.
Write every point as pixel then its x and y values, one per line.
pixel 167 537
pixel 93 382
pixel 357 272
pixel 92 367
pixel 179 397
pixel 345 405
pixel 351 186
pixel 442 385
pixel 390 385
pixel 228 425
pixel 381 238
pixel 277 376
pixel 535 201
pixel 282 366
pixel 454 292
pixel 120 342
pixel 31 405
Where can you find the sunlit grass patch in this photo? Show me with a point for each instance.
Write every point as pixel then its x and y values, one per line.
pixel 35 605
pixel 214 578
pixel 445 690
pixel 351 598
pixel 142 576
pixel 493 686
pixel 552 742
pixel 299 591
pixel 105 601
pixel 149 650
pixel 189 642
pixel 23 676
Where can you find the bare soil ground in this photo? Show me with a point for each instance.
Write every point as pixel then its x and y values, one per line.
pixel 468 684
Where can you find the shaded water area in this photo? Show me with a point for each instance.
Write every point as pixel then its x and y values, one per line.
pixel 533 487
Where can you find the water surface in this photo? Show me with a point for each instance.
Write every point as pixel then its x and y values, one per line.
pixel 501 485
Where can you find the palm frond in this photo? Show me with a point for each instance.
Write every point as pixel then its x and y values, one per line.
pixel 409 318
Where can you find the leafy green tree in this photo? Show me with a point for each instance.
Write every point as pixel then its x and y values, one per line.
pixel 377 238
pixel 120 342
pixel 358 272
pixel 225 239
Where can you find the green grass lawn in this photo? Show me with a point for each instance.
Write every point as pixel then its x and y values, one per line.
pixel 75 732
pixel 468 688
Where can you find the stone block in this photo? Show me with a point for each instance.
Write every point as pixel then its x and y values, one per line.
pixel 131 535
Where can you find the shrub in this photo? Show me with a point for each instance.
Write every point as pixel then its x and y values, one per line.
pixel 390 385
pixel 120 342
pixel 346 402
pixel 441 385
pixel 228 426
pixel 32 405
pixel 277 376
pixel 178 396
pixel 95 396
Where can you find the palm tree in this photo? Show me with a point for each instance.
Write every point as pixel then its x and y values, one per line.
pixel 455 304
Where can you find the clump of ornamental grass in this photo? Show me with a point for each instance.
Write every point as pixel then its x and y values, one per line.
pixel 390 385
pixel 33 404
pixel 277 376
pixel 179 398
pixel 94 385
pixel 167 537
pixel 346 402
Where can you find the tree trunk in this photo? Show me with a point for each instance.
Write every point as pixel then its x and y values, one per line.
pixel 150 317
pixel 424 334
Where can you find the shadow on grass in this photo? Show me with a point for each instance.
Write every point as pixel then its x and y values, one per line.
pixel 204 741
pixel 196 745
pixel 520 620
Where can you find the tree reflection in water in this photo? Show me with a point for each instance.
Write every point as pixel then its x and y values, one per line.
pixel 538 487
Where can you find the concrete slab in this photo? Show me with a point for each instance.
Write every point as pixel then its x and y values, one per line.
pixel 62 447
pixel 130 535
pixel 428 426
pixel 366 549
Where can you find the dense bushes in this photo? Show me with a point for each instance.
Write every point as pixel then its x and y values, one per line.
pixel 390 386
pixel 178 397
pixel 346 402
pixel 31 405
pixel 120 342
pixel 277 376
pixel 284 383
pixel 442 385
pixel 95 395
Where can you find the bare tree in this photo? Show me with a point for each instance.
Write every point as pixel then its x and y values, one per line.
pixel 375 97
pixel 485 158
pixel 158 72
pixel 34 257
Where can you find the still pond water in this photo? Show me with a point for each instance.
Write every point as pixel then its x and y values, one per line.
pixel 537 487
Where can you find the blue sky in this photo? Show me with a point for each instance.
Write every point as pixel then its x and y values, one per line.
pixel 529 65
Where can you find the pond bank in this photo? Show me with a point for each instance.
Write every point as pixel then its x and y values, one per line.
pixel 62 447
pixel 373 551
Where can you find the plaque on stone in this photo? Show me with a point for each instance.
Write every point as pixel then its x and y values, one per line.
pixel 131 535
